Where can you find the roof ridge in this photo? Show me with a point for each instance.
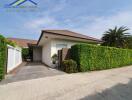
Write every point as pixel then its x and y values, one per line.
pixel 21 38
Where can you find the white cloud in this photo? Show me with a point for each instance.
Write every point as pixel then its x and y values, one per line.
pixel 90 25
pixel 60 6
pixel 101 24
pixel 44 22
pixel 54 6
pixel 47 20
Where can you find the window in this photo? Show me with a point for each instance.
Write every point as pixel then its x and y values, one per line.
pixel 60 46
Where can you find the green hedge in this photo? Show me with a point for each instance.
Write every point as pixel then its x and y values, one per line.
pixel 3 54
pixel 25 53
pixel 2 57
pixel 69 66
pixel 93 57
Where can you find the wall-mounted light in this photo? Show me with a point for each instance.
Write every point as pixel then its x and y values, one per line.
pixel 46 36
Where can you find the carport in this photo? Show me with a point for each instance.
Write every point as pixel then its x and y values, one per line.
pixel 35 52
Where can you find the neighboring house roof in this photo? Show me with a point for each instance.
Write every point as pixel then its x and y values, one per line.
pixel 70 34
pixel 22 42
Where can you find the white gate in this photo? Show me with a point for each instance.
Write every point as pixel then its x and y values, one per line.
pixel 14 57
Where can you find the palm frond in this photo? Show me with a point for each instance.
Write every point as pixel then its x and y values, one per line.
pixel 116 37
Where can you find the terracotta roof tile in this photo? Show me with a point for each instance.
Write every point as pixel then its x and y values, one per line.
pixel 23 42
pixel 72 34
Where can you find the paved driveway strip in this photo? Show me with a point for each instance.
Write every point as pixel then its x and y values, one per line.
pixel 113 84
pixel 30 71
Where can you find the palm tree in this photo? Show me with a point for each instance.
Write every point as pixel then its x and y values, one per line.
pixel 116 37
pixel 129 42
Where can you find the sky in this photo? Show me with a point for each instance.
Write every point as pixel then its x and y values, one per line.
pixel 88 17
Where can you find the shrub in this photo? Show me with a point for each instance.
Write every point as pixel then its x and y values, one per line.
pixel 3 39
pixel 3 54
pixel 10 43
pixel 25 53
pixel 2 57
pixel 69 66
pixel 54 58
pixel 93 57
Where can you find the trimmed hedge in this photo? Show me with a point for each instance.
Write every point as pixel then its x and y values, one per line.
pixel 2 57
pixel 93 57
pixel 69 66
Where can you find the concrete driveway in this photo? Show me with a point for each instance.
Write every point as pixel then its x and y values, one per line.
pixel 113 84
pixel 27 71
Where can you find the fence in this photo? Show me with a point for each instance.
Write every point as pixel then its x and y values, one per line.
pixel 14 57
pixel 63 54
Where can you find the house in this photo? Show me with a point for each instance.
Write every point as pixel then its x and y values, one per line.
pixel 35 51
pixel 51 41
pixel 26 43
pixel 22 42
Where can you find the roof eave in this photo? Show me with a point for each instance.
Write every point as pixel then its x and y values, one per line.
pixel 40 37
pixel 42 32
pixel 96 40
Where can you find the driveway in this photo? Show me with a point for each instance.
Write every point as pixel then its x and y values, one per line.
pixel 113 84
pixel 27 71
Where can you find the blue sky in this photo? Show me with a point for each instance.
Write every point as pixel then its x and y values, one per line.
pixel 89 17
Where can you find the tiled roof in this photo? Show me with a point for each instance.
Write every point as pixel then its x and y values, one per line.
pixel 71 34
pixel 23 42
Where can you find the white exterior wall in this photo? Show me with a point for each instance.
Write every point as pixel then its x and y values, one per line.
pixel 14 57
pixel 49 49
pixel 37 54
pixel 46 53
pixel 56 41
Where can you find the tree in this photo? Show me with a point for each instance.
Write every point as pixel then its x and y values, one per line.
pixel 116 37
pixel 129 42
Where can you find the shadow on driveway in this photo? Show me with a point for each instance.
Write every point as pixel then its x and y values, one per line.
pixel 117 92
pixel 31 71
